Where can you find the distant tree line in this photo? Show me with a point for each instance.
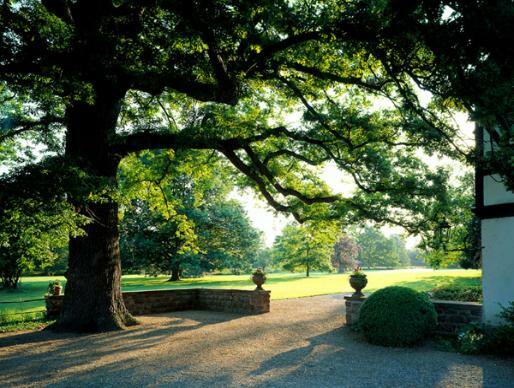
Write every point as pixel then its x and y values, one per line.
pixel 177 218
pixel 324 247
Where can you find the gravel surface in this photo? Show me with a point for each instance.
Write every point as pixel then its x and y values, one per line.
pixel 302 342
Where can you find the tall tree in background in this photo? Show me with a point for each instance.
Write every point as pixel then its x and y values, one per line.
pixel 226 237
pixel 376 250
pixel 187 194
pixel 416 258
pixel 121 77
pixel 152 242
pixel 346 252
pixel 264 259
pixel 30 235
pixel 400 250
pixel 305 247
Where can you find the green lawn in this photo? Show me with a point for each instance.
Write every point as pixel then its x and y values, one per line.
pixel 282 285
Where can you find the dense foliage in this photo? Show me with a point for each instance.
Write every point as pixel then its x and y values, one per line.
pixel 345 254
pixel 455 241
pixel 305 247
pixel 32 234
pixel 485 339
pixel 397 316
pixel 279 88
pixel 180 220
pixel 154 244
pixel 377 250
pixel 459 293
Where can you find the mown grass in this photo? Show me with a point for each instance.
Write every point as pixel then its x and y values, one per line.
pixel 282 285
pixel 15 320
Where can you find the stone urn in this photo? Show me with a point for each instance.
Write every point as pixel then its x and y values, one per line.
pixel 358 283
pixel 259 278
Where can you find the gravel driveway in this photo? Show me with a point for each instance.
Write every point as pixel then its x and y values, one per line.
pixel 302 342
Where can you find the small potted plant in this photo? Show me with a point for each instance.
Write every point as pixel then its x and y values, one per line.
pixel 259 278
pixel 358 281
pixel 54 288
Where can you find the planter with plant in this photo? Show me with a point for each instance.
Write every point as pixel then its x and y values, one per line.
pixel 54 288
pixel 259 278
pixel 358 281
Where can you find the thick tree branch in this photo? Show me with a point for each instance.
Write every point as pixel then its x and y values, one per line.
pixel 156 83
pixel 136 142
pixel 17 127
pixel 285 191
pixel 269 50
pixel 319 74
pixel 250 173
pixel 275 154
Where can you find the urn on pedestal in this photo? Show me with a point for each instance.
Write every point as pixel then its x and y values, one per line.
pixel 259 278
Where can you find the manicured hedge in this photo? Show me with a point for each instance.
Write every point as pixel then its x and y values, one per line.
pixel 463 294
pixel 397 316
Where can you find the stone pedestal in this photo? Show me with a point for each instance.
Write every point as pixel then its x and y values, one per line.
pixel 53 305
pixel 353 305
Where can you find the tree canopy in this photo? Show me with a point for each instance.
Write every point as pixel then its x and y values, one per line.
pixel 305 247
pixel 346 252
pixel 279 88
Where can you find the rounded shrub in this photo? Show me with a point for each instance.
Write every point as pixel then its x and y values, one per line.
pixel 397 316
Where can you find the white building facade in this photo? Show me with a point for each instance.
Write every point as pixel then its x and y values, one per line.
pixel 495 208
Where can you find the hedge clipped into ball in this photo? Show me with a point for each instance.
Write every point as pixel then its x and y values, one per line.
pixel 397 316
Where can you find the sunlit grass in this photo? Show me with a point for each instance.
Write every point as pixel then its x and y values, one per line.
pixel 281 285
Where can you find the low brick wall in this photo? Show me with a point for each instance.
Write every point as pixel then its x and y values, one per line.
pixel 234 301
pixel 148 302
pixel 162 301
pixel 451 315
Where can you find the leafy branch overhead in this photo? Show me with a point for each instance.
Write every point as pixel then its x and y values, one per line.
pixel 174 78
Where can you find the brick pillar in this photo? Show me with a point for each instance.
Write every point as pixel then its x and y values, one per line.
pixel 353 306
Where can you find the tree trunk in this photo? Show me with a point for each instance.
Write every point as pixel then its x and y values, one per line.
pixel 176 272
pixel 92 298
pixel 341 269
pixel 10 275
pixel 308 270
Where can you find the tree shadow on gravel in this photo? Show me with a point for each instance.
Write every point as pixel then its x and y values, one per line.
pixel 66 351
pixel 175 321
pixel 341 358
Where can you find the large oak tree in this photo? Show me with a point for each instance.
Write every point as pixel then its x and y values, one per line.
pixel 108 78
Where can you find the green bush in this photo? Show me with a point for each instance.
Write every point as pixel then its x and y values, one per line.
pixel 472 339
pixel 486 339
pixel 463 294
pixel 397 316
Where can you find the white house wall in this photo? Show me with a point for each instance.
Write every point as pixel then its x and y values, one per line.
pixel 497 265
pixel 495 191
